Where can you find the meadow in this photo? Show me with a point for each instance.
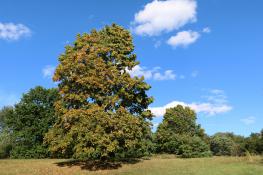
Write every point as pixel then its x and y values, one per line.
pixel 156 165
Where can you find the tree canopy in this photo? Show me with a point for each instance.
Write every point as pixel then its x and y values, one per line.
pixel 179 134
pixel 29 120
pixel 103 110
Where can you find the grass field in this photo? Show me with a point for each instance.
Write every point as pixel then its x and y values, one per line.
pixel 157 165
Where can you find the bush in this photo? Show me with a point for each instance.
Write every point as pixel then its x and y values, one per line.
pixel 254 143
pixel 24 152
pixel 186 146
pixel 222 145
pixel 194 147
pixel 6 144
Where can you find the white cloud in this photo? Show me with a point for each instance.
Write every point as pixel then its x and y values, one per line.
pixel 168 75
pixel 214 105
pixel 139 71
pixel 11 31
pixel 183 38
pixel 164 16
pixel 48 71
pixel 154 73
pixel 206 30
pixel 217 96
pixel 206 108
pixel 249 120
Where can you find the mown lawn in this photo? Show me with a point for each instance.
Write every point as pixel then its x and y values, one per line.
pixel 157 165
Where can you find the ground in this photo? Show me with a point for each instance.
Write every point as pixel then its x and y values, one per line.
pixel 157 165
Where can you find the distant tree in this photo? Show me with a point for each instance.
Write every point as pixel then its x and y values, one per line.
pixel 6 144
pixel 6 141
pixel 254 143
pixel 103 111
pixel 180 120
pixel 179 134
pixel 222 144
pixel 5 112
pixel 240 141
pixel 193 146
pixel 30 120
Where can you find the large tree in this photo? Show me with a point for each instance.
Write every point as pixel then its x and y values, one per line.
pixel 180 134
pixel 103 110
pixel 29 120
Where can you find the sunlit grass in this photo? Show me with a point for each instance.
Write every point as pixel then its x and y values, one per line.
pixel 157 165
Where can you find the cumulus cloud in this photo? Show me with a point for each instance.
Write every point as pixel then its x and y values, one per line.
pixel 154 73
pixel 206 108
pixel 211 107
pixel 48 71
pixel 11 31
pixel 249 120
pixel 183 39
pixel 164 16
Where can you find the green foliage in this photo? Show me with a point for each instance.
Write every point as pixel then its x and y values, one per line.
pixel 94 134
pixel 179 134
pixel 180 120
pixel 30 120
pixel 254 143
pixel 103 111
pixel 6 140
pixel 6 144
pixel 5 113
pixel 223 145
pixel 193 147
pixel 240 141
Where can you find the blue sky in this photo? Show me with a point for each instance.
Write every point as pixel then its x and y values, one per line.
pixel 206 54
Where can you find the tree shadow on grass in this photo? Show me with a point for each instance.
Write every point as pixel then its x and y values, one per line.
pixel 97 165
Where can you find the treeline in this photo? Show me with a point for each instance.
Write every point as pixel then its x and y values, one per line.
pixel 100 112
pixel 25 125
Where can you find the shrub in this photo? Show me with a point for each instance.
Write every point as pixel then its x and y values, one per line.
pixel 6 144
pixel 194 147
pixel 222 145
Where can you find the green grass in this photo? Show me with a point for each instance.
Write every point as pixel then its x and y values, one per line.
pixel 157 165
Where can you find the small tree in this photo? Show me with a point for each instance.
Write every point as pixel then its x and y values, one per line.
pixel 30 120
pixel 223 145
pixel 5 113
pixel 102 113
pixel 254 143
pixel 6 144
pixel 179 134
